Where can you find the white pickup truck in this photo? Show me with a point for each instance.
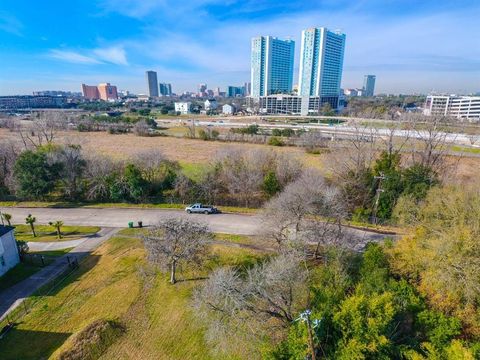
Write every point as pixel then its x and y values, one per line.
pixel 201 209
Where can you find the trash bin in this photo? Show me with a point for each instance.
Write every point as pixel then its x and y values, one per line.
pixel 140 224
pixel 130 224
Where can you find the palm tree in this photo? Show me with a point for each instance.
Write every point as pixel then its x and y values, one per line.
pixel 57 225
pixel 31 221
pixel 7 218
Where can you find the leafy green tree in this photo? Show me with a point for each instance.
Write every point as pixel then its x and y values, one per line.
pixel 374 270
pixel 364 322
pixel 136 184
pixel 31 220
pixel 35 174
pixel 439 329
pixel 417 180
pixel 388 166
pixel 271 185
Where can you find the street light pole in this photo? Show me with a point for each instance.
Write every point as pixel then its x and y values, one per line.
pixel 380 178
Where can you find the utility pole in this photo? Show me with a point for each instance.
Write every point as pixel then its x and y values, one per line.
pixel 379 191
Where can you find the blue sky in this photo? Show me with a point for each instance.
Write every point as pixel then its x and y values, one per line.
pixel 411 45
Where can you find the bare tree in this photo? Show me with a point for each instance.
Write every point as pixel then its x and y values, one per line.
pixel 73 168
pixel 433 142
pixel 350 161
pixel 8 155
pixel 263 301
pixel 314 140
pixel 141 128
pixel 174 240
pixel 294 214
pixel 99 170
pixel 43 129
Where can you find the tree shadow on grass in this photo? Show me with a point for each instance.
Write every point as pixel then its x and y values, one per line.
pixel 29 344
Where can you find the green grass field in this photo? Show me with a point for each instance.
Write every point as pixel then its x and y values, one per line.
pixel 114 284
pixel 47 233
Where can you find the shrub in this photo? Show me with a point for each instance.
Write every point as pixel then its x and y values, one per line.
pixel 275 141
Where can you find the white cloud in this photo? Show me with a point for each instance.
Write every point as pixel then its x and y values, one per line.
pixel 113 55
pixel 10 24
pixel 72 57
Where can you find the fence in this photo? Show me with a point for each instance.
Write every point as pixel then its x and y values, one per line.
pixel 25 305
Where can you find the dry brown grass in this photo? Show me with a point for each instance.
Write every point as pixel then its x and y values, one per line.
pixel 196 151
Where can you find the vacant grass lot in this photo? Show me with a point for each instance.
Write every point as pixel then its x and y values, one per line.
pixel 114 284
pixel 47 233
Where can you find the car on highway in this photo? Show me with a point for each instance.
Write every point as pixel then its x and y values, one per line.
pixel 201 209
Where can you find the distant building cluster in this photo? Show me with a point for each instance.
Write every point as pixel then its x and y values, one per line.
pixel 460 107
pixel 368 88
pixel 156 89
pixel 321 67
pixel 104 92
pixel 32 102
pixel 57 93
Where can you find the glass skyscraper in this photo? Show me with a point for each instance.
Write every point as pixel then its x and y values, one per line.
pixel 321 64
pixel 369 85
pixel 272 66
pixel 152 84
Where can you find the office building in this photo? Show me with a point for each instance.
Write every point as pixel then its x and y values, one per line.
pixel 321 64
pixel 287 104
pixel 32 102
pixel 104 92
pixel 165 89
pixel 460 107
pixel 271 66
pixel 152 83
pixel 369 85
pixel 107 92
pixel 234 91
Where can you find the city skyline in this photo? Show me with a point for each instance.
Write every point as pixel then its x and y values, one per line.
pixel 411 47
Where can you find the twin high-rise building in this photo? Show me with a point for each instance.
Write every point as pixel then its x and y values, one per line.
pixel 321 65
pixel 272 66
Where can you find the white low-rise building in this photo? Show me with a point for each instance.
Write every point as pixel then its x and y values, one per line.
pixel 229 109
pixel 460 107
pixel 211 104
pixel 9 256
pixel 183 107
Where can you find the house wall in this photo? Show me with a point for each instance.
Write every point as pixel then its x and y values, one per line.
pixel 8 252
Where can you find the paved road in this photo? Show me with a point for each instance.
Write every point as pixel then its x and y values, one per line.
pixel 117 217
pixel 13 296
